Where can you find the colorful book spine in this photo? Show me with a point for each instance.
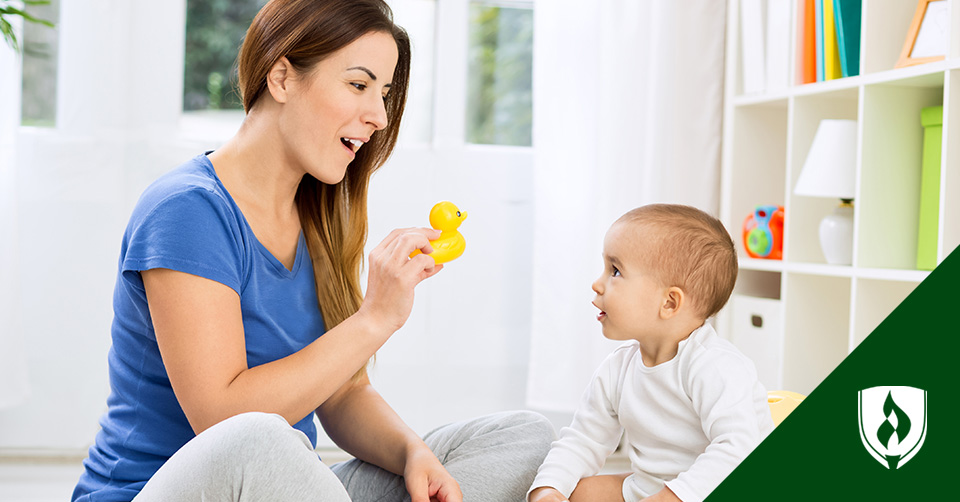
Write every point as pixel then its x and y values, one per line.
pixel 809 42
pixel 818 25
pixel 831 54
pixel 847 16
pixel 931 118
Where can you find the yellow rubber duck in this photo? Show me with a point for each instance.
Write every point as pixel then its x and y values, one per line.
pixel 446 217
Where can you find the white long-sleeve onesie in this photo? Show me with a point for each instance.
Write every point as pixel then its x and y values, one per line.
pixel 688 422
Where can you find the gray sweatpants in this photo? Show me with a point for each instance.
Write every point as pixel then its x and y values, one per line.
pixel 257 457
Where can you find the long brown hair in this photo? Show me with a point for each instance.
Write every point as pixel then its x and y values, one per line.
pixel 333 217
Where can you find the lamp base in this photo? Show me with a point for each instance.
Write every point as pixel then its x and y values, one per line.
pixel 836 235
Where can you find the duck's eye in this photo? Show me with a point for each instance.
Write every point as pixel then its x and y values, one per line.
pixel 458 214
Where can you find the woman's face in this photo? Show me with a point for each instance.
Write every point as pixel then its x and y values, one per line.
pixel 333 110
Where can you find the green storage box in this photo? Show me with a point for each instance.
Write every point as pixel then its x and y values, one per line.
pixel 932 120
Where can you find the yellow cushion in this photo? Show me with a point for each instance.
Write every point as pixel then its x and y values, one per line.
pixel 782 402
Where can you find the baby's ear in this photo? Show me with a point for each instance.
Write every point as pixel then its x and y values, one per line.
pixel 673 300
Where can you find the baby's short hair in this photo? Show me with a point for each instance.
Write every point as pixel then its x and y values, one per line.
pixel 691 250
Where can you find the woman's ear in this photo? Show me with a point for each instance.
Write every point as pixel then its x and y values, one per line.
pixel 279 79
pixel 673 301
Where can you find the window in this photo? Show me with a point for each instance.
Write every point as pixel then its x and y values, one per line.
pixel 418 18
pixel 38 105
pixel 500 92
pixel 215 30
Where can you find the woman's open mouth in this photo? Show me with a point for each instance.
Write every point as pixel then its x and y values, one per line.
pixel 351 144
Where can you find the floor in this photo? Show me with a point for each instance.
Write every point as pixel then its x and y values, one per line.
pixel 52 479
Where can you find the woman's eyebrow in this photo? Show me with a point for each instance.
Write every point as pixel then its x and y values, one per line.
pixel 365 70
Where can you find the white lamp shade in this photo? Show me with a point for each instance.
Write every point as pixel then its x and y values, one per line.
pixel 830 167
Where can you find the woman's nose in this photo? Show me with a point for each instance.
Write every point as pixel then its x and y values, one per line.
pixel 376 114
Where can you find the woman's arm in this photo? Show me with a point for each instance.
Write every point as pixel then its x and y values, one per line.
pixel 199 331
pixel 358 420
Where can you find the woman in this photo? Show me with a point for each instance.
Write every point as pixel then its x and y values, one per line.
pixel 234 264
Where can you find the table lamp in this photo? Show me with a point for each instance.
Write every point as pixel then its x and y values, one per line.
pixel 829 171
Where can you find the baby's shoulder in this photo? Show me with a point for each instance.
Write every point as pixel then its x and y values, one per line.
pixel 714 357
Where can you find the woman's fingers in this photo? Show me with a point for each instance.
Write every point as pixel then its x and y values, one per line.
pixel 424 267
pixel 449 492
pixel 400 243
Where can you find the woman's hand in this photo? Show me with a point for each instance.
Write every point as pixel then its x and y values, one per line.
pixel 427 480
pixel 393 275
pixel 547 494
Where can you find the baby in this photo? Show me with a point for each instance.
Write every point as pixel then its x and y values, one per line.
pixel 689 402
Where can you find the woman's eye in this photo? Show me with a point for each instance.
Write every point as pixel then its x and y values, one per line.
pixel 359 86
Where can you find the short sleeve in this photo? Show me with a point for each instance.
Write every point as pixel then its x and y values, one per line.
pixel 193 231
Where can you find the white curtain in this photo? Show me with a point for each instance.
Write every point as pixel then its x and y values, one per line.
pixel 13 373
pixel 627 111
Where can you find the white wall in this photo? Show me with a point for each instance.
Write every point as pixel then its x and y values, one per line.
pixel 464 350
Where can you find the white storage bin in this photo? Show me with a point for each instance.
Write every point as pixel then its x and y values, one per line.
pixel 756 332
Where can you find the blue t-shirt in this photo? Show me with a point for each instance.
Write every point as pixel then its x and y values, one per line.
pixel 187 221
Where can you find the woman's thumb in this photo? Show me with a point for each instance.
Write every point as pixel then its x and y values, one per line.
pixel 418 490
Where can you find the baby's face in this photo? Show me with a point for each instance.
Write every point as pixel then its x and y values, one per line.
pixel 628 295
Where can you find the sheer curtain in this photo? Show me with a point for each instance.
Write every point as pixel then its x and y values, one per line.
pixel 627 111
pixel 13 374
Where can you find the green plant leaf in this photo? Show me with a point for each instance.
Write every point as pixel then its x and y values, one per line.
pixel 7 9
pixel 27 16
pixel 8 34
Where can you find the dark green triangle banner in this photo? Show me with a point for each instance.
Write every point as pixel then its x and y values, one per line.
pixel 884 424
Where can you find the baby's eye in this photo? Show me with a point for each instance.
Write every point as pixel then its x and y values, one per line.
pixel 616 272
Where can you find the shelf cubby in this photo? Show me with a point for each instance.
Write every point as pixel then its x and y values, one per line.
pixel 950 168
pixel 884 27
pixel 816 322
pixel 761 146
pixel 803 214
pixel 888 201
pixel 758 283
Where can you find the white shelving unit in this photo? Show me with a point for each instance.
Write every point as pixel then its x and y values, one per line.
pixel 825 311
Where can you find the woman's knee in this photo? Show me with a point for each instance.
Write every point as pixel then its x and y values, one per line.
pixel 257 454
pixel 535 431
pixel 256 435
pixel 535 426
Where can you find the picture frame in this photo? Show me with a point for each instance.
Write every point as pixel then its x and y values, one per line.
pixel 927 38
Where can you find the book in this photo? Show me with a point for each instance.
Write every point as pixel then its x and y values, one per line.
pixel 931 118
pixel 751 45
pixel 846 15
pixel 818 27
pixel 831 54
pixel 807 43
pixel 778 45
